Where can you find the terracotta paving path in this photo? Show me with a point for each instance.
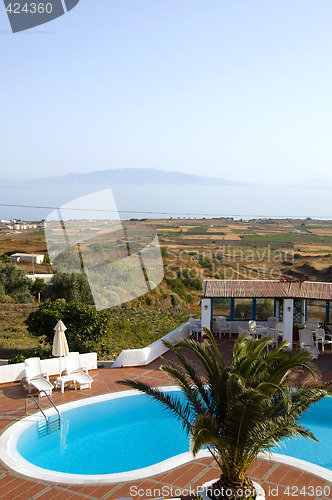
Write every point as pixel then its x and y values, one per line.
pixel 274 477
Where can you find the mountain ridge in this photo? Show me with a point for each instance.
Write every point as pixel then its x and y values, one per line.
pixel 131 176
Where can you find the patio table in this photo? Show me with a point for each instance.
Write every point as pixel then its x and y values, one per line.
pixel 64 379
pixel 260 330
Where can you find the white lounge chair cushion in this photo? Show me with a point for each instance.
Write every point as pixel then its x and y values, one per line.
pixel 83 380
pixel 41 384
pixel 35 377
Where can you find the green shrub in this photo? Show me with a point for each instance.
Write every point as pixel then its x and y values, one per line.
pixel 179 289
pixel 218 275
pixel 177 286
pixel 164 252
pixel 13 282
pixel 189 280
pixel 73 287
pixel 84 324
pixel 204 262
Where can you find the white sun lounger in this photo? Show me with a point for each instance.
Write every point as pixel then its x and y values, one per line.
pixel 80 373
pixel 35 377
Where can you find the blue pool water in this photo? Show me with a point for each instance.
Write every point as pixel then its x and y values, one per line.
pixel 130 433
pixel 318 419
pixel 117 435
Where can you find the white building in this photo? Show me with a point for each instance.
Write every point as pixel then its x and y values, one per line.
pixel 27 257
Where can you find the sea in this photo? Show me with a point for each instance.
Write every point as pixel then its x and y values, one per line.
pixel 176 201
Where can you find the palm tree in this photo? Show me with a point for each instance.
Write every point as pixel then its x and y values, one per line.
pixel 237 411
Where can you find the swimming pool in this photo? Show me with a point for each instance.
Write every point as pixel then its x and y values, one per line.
pixel 126 436
pixel 110 436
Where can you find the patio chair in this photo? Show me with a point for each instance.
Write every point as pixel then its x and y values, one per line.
pixel 252 329
pixel 312 324
pixel 280 328
pixel 306 341
pixel 273 334
pixel 194 328
pixel 222 326
pixel 80 373
pixel 322 337
pixel 272 322
pixel 35 377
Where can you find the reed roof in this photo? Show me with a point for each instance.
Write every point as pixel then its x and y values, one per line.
pixel 267 289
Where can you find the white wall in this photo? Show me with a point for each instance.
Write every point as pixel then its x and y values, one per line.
pixel 46 277
pixel 288 316
pixel 141 357
pixel 14 373
pixel 36 259
pixel 206 313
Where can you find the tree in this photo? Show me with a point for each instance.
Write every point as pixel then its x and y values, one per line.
pixel 85 325
pixel 37 287
pixel 243 310
pixel 73 287
pixel 237 411
pixel 264 309
pixel 14 283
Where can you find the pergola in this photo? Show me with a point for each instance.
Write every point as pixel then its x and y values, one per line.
pixel 281 291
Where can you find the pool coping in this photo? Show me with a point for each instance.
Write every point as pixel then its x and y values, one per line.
pixel 17 463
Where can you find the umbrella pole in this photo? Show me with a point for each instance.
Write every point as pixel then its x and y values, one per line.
pixel 60 366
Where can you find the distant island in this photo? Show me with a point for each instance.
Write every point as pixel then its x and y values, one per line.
pixel 128 176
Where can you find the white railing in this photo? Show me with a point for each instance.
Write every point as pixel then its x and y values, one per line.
pixel 141 357
pixel 15 372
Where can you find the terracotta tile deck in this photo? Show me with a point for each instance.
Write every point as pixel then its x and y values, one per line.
pixel 274 477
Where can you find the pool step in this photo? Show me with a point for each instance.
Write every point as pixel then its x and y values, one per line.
pixel 48 426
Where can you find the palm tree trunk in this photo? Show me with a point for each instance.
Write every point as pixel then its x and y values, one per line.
pixel 228 489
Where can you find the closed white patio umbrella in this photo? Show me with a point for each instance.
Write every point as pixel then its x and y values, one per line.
pixel 60 345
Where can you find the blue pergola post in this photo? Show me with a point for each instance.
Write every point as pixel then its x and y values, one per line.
pixel 254 304
pixel 327 314
pixel 211 309
pixel 275 308
pixel 232 309
pixel 306 311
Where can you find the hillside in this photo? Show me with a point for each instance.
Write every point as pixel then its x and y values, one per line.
pixel 194 250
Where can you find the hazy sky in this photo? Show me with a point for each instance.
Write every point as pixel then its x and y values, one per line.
pixel 239 89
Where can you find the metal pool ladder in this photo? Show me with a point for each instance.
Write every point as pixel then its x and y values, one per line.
pixel 48 425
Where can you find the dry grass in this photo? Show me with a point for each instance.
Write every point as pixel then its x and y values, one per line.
pixel 14 336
